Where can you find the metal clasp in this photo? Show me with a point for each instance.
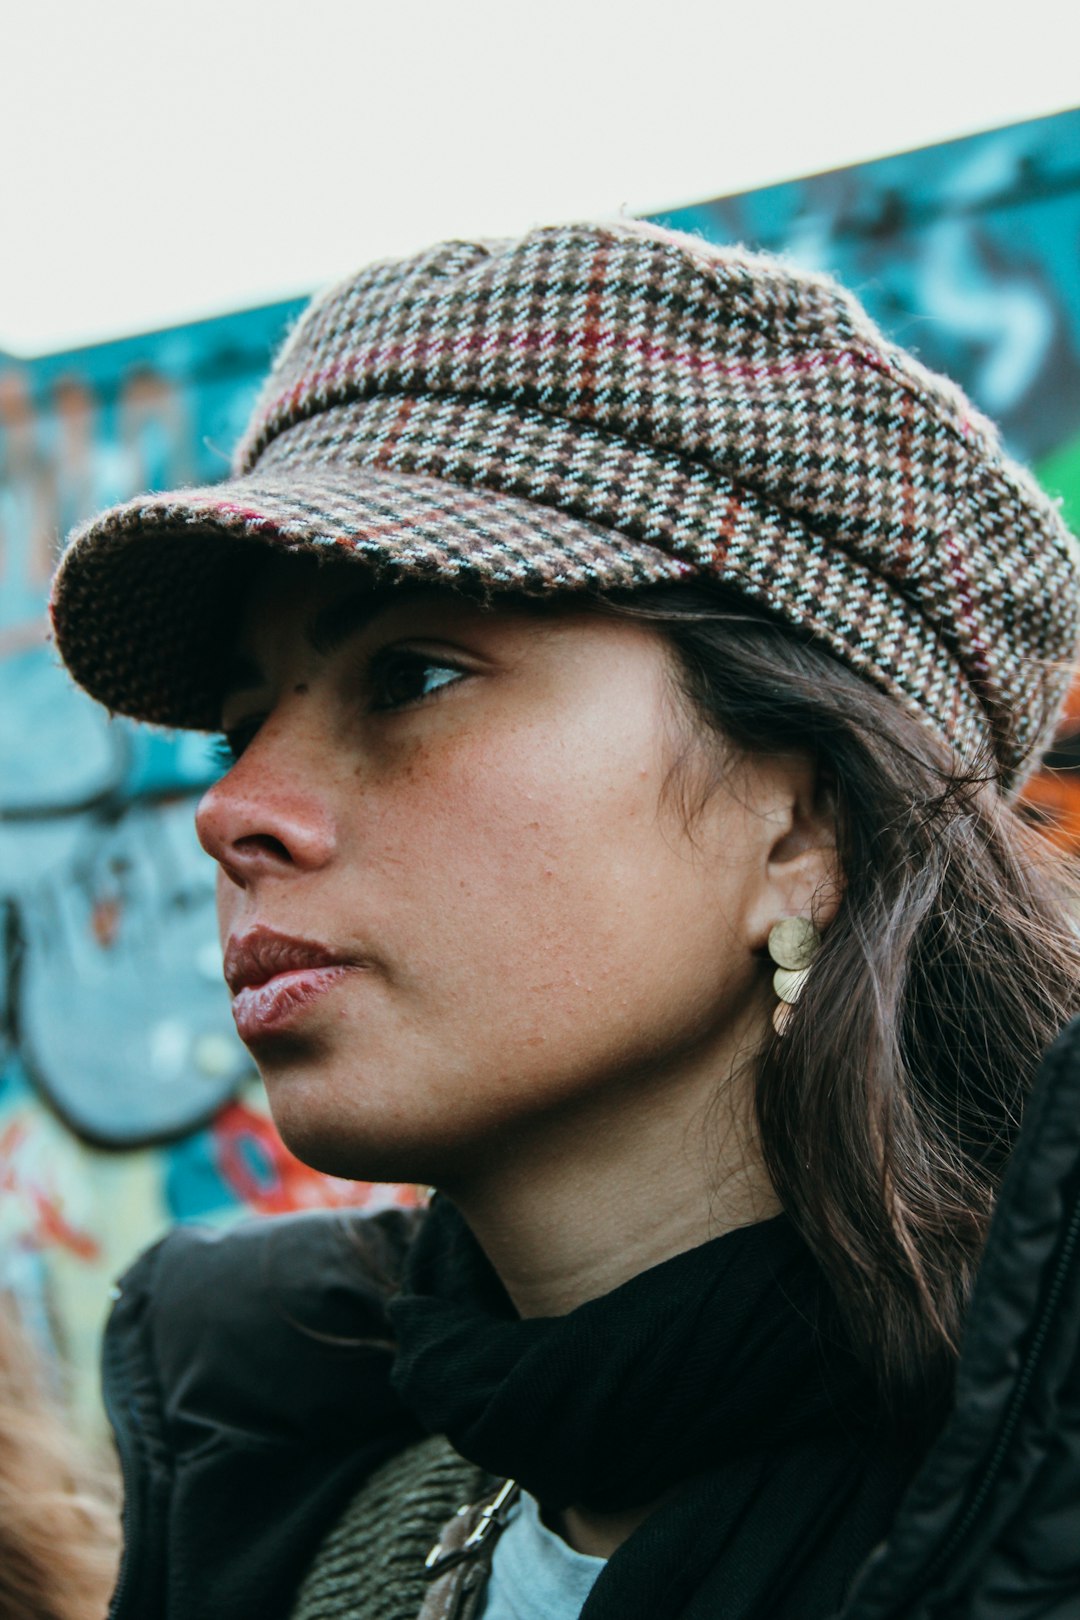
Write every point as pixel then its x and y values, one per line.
pixel 492 1520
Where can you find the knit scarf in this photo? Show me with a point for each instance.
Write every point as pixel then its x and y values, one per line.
pixel 717 1380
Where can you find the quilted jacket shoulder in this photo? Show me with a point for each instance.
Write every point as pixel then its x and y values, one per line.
pixel 246 1376
pixel 990 1528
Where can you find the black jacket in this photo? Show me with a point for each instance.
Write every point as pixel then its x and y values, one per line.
pixel 245 1376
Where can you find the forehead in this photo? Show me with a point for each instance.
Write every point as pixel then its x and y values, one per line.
pixel 324 602
pixel 291 597
pixel 298 589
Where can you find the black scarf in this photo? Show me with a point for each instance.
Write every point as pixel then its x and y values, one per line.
pixel 721 1372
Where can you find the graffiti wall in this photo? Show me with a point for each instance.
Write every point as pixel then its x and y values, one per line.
pixel 126 1102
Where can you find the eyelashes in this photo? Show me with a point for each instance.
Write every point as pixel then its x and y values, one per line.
pixel 399 677
pixel 396 678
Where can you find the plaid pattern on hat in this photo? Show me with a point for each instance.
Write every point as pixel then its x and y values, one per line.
pixel 593 408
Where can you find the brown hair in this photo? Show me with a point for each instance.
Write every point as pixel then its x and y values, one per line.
pixel 888 1109
pixel 59 1531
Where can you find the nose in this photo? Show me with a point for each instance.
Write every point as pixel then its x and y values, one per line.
pixel 265 817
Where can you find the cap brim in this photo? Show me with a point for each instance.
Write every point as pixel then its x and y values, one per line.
pixel 145 600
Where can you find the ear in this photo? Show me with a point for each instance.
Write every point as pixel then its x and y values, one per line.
pixel 799 873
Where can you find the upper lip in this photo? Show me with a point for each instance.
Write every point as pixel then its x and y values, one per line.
pixel 261 954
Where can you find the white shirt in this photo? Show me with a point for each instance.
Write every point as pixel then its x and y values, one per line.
pixel 535 1575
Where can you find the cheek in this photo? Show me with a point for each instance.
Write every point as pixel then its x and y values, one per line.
pixel 561 902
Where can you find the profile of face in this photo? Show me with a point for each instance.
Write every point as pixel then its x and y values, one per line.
pixel 468 901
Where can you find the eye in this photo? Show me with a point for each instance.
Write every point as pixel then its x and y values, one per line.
pixel 399 676
pixel 229 745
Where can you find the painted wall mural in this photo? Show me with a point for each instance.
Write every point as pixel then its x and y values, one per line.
pixel 126 1102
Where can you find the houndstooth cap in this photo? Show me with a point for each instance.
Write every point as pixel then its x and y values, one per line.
pixel 601 407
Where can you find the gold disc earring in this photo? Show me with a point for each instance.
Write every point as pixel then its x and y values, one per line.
pixel 793 944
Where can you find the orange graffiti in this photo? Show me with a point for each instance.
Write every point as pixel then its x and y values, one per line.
pixel 48 1227
pixel 1055 797
pixel 54 1229
pixel 260 1170
pixel 105 922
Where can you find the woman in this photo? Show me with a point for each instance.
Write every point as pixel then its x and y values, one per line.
pixel 625 660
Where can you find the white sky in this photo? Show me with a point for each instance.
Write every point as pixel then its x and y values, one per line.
pixel 166 161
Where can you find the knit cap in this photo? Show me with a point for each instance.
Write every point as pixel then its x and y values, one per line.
pixel 597 408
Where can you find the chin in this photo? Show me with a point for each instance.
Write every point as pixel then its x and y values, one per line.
pixel 352 1153
pixel 365 1144
pixel 348 1161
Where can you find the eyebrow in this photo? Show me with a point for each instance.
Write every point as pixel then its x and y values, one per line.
pixel 240 674
pixel 327 630
pixel 337 621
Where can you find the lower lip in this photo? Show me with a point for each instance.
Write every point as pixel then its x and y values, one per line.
pixel 280 1003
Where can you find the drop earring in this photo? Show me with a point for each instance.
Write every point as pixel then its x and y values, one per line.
pixel 793 944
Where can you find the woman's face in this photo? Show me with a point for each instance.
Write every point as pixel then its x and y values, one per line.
pixel 459 899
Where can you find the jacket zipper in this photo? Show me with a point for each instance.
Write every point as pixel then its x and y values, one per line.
pixel 459 1564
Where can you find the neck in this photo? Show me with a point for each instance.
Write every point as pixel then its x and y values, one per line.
pixel 645 1170
pixel 570 1215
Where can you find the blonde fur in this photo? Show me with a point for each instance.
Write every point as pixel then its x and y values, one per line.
pixel 59 1533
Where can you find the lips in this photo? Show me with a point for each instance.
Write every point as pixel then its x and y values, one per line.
pixel 275 979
